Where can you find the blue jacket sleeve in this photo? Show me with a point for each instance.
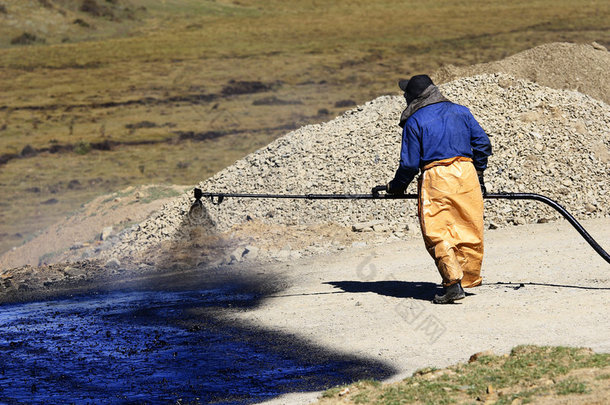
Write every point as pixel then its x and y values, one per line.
pixel 481 146
pixel 410 154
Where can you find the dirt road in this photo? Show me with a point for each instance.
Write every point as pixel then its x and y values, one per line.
pixel 542 285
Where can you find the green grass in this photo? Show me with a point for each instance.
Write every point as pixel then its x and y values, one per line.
pixel 313 52
pixel 571 386
pixel 526 396
pixel 521 375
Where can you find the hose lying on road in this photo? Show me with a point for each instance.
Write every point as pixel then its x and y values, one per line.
pixel 217 198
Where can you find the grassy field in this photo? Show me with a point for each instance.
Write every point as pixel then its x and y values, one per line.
pixel 142 91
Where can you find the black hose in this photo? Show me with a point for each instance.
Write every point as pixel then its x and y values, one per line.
pixel 217 198
pixel 558 208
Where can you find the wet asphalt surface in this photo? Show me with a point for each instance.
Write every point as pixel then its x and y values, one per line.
pixel 157 342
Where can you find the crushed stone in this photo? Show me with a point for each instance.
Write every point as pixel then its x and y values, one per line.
pixel 549 141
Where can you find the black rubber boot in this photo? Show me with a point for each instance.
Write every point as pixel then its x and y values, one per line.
pixel 452 293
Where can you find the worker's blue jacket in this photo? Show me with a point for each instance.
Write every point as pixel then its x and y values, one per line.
pixel 442 131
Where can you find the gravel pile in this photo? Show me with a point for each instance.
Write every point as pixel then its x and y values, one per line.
pixel 553 142
pixel 560 65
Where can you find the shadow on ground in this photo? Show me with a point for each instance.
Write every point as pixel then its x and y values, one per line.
pixel 425 291
pixel 419 290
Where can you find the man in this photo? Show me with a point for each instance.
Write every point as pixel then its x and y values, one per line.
pixel 445 142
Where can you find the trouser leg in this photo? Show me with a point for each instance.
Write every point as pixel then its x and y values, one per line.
pixel 451 218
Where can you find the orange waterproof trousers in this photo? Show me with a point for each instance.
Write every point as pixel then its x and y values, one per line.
pixel 451 217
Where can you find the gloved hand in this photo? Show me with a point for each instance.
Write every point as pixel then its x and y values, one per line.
pixel 395 187
pixel 482 181
pixel 401 180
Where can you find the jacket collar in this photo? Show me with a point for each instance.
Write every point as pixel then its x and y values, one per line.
pixel 431 95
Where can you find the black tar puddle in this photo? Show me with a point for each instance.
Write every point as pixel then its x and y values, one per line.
pixel 158 347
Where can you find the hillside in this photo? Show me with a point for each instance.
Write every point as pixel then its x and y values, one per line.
pixel 39 22
pixel 172 92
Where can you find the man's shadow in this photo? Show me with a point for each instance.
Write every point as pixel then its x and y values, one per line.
pixel 419 290
pixel 423 290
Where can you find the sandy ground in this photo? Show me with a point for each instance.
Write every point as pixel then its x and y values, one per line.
pixel 542 285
